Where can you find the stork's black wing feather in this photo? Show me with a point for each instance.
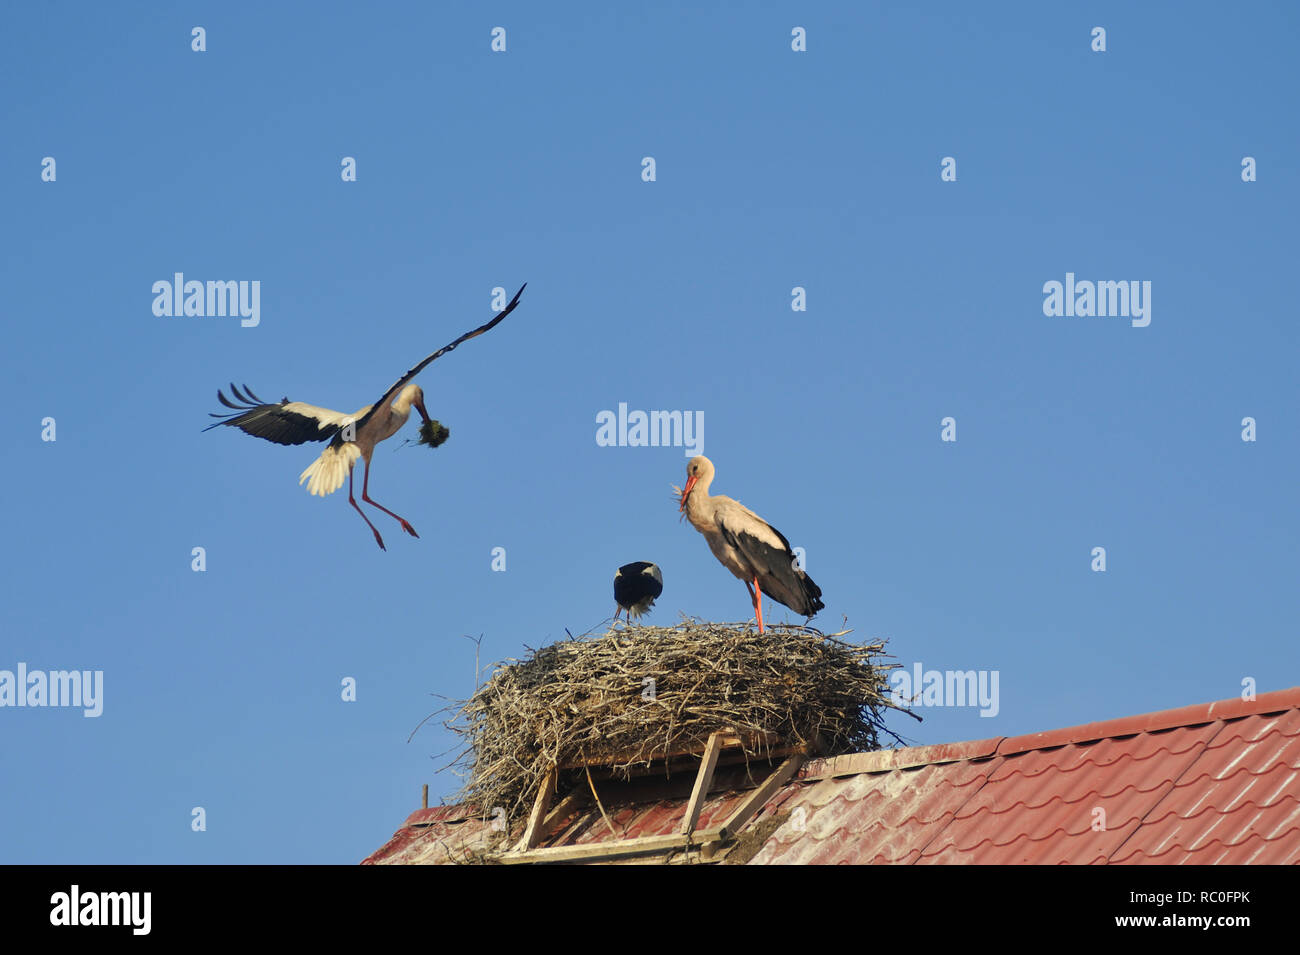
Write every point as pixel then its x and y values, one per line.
pixel 284 423
pixel 246 396
pixel 780 578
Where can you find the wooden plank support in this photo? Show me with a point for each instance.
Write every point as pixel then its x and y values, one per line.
pixel 541 822
pixel 533 834
pixel 703 780
pixel 597 851
pixel 563 809
pixel 755 800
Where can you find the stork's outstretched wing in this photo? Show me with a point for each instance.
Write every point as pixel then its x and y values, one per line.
pixel 401 383
pixel 288 422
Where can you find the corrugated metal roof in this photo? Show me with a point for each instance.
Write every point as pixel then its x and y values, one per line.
pixel 1213 783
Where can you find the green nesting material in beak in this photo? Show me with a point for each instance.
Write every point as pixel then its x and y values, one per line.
pixel 433 433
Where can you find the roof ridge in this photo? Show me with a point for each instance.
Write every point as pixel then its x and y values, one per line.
pixel 1196 714
pixel 906 757
pixel 910 757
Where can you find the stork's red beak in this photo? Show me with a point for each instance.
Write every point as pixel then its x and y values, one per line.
pixel 690 483
pixel 419 406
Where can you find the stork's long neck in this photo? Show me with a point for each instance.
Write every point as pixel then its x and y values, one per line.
pixel 699 506
pixel 398 412
pixel 402 406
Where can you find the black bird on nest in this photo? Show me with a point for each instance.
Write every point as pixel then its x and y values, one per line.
pixel 636 585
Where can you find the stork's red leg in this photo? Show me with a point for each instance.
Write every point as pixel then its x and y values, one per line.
pixel 758 604
pixel 353 501
pixel 754 602
pixel 365 496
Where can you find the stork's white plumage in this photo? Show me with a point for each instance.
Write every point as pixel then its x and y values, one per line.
pixel 351 436
pixel 747 545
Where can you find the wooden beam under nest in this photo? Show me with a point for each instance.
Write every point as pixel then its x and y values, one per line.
pixel 709 842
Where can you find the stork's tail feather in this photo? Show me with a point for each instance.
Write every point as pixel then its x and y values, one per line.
pixel 812 595
pixel 328 472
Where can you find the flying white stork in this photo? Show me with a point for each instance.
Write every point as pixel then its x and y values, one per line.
pixel 350 436
pixel 636 585
pixel 747 545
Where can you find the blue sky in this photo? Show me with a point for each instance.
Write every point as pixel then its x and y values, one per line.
pixel 477 170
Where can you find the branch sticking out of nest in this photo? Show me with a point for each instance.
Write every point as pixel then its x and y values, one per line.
pixel 433 433
pixel 630 696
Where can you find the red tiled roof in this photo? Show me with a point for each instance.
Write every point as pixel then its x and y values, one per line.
pixel 1213 783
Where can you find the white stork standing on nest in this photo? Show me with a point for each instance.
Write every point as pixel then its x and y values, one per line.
pixel 350 436
pixel 747 545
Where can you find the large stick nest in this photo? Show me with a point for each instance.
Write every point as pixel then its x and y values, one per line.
pixel 633 695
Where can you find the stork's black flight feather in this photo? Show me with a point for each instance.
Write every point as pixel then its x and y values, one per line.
pixel 289 422
pixel 398 385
